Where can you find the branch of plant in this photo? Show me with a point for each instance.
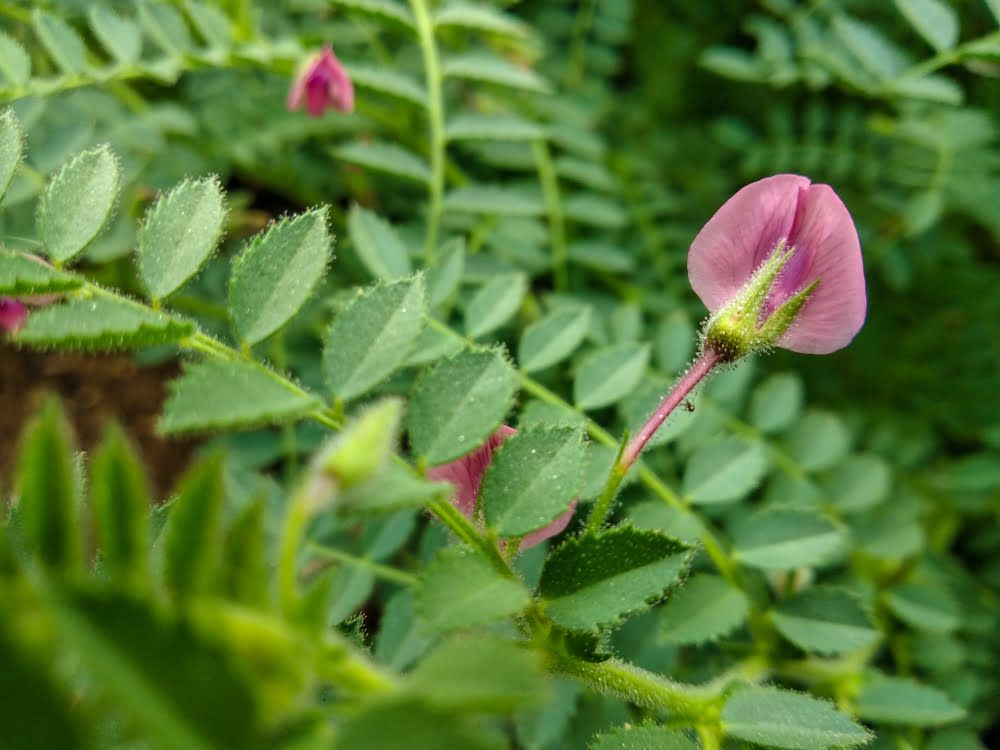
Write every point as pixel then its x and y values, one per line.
pixel 549 181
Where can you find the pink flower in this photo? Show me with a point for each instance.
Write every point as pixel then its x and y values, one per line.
pixel 784 214
pixel 466 474
pixel 322 82
pixel 12 314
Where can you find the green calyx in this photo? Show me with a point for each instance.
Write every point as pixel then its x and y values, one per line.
pixel 734 331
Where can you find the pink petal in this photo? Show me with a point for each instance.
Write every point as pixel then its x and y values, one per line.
pixel 555 527
pixel 12 314
pixel 466 473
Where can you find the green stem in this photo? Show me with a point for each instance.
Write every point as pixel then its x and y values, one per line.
pixel 300 510
pixel 465 530
pixel 553 207
pixel 382 571
pixel 578 45
pixel 603 505
pixel 435 113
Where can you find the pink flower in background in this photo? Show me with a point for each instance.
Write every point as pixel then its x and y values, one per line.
pixel 786 212
pixel 322 83
pixel 12 314
pixel 466 474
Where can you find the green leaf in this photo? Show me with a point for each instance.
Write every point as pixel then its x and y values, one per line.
pixel 179 234
pixel 471 127
pixel 532 479
pixel 777 402
pixel 994 6
pixel 780 718
pixel 400 640
pixel 377 245
pixel 388 82
pixel 595 210
pixel 785 539
pixel 245 567
pixel 467 16
pixel 825 621
pixel 924 607
pixel 395 488
pixel 477 66
pixel 494 304
pixel 165 25
pixel 372 336
pixel 935 21
pixel 211 22
pixel 391 10
pixel 22 275
pixel 77 202
pixel 588 173
pixel 597 580
pixel 386 157
pixel 704 609
pixel 642 737
pixel 818 441
pixel 609 374
pixel 458 403
pixel 552 338
pixel 955 739
pixel 121 503
pixel 276 273
pixel 443 279
pixel 860 483
pixel 46 488
pixel 100 323
pixel 460 589
pixel 494 200
pixel 409 724
pixel 120 36
pixel 876 54
pixel 214 395
pixel 11 147
pixel 178 690
pixel 63 44
pixel 193 534
pixel 15 64
pixel 724 470
pixel 898 700
pixel 478 674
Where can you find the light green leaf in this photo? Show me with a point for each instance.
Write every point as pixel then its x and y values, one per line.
pixel 898 700
pixel 780 718
pixel 386 157
pixel 211 22
pixel 377 244
pixel 193 534
pixel 609 374
pixel 595 210
pixel 388 82
pixel 860 483
pixel 642 737
pixel 552 338
pixel 460 589
pixel 724 470
pixel 432 345
pixel 924 607
pixel 21 275
pixel 588 173
pixel 786 539
pixel 777 402
pixel 825 621
pixel 276 273
pixel 409 724
pixel 994 6
pixel 443 278
pixel 473 17
pixel 214 395
pixel 179 234
pixel 477 66
pixel 391 10
pixel 46 488
pixel 675 340
pixel 596 580
pixel 400 641
pixel 372 336
pixel 15 64
pixel 494 304
pixel 468 127
pixel 879 56
pixel 532 479
pixel 101 323
pixel 165 26
pixel 935 21
pixel 77 202
pixel 61 41
pixel 11 147
pixel 494 200
pixel 395 488
pixel 452 676
pixel 601 256
pixel 704 609
pixel 818 441
pixel 118 35
pixel 458 403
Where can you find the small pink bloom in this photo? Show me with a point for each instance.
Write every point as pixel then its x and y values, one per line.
pixel 811 220
pixel 322 83
pixel 466 474
pixel 12 314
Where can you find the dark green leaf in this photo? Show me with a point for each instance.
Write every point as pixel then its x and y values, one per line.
pixel 408 724
pixel 786 539
pixel 494 304
pixel 924 607
pixel 554 337
pixel 192 537
pixel 245 564
pixel 826 621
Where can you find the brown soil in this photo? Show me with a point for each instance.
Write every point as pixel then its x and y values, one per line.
pixel 94 390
